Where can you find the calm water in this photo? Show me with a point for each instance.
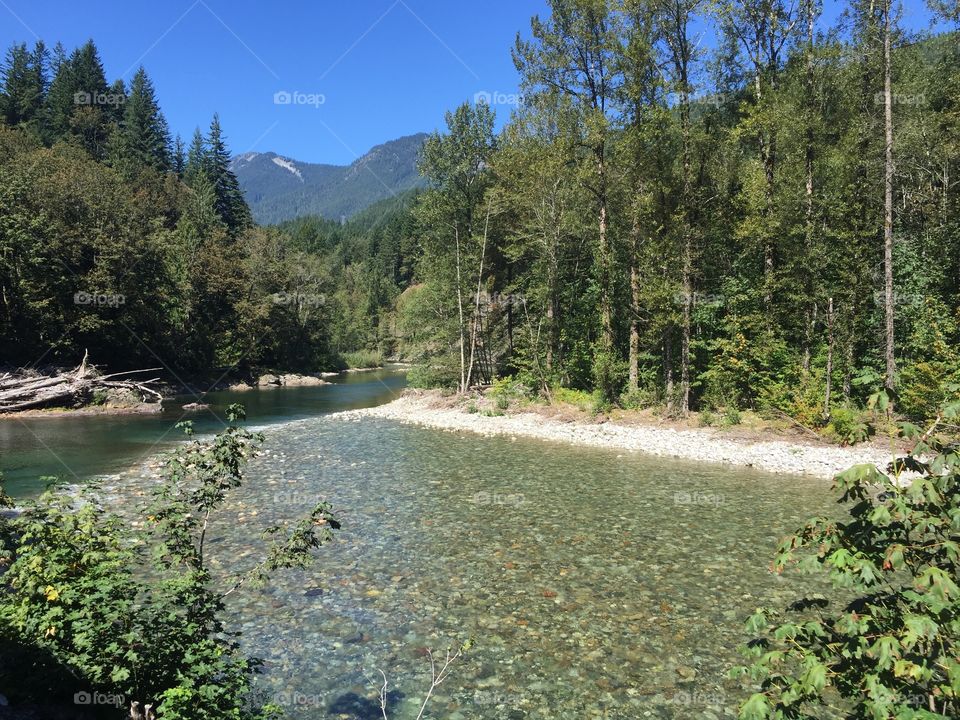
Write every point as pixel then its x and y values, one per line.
pixel 595 584
pixel 76 448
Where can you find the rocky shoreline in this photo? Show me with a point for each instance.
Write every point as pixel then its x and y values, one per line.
pixel 771 455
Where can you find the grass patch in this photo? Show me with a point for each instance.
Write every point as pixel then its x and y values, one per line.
pixel 363 358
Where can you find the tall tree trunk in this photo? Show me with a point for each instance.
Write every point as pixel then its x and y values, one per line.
pixel 808 163
pixel 606 260
pixel 687 279
pixel 829 379
pixel 668 368
pixel 888 200
pixel 634 363
pixel 463 352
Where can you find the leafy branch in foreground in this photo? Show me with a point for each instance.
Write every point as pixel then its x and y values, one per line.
pixel 91 606
pixel 893 650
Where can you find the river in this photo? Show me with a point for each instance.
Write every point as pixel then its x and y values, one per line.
pixel 595 584
pixel 75 448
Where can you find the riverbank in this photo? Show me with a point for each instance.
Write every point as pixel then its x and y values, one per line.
pixel 191 391
pixel 770 453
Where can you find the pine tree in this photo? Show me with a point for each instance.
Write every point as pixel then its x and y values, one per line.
pixel 230 204
pixel 77 98
pixel 196 158
pixel 179 157
pixel 24 78
pixel 142 140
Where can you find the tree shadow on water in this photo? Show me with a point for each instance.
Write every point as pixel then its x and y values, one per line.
pixel 358 707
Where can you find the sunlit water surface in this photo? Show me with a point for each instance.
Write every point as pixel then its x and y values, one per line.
pixel 595 584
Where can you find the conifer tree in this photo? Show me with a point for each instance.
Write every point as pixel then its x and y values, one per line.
pixel 230 204
pixel 142 140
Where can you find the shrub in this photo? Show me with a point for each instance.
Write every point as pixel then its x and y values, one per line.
pixel 363 359
pixel 892 648
pixel 433 376
pixel 848 426
pixel 639 398
pixel 609 372
pixel 707 418
pixel 508 389
pixel 580 399
pixel 731 416
pixel 104 608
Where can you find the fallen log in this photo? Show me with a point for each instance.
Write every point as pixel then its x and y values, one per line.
pixel 73 388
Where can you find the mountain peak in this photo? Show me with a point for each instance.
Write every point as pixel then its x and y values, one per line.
pixel 279 188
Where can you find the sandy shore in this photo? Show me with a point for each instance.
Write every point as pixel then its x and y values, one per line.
pixel 703 445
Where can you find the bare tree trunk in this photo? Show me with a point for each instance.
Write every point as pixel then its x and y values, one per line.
pixel 634 363
pixel 668 369
pixel 476 311
pixel 808 162
pixel 826 394
pixel 888 200
pixel 687 279
pixel 463 357
pixel 606 301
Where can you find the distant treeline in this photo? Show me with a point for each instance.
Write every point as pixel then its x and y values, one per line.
pixel 116 239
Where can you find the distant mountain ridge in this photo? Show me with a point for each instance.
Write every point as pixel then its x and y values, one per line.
pixel 279 188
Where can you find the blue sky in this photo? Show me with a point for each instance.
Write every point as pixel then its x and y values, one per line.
pixel 364 71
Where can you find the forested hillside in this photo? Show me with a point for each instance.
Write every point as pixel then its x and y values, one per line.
pixel 771 223
pixel 279 188
pixel 118 239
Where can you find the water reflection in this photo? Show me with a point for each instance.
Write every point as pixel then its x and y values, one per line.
pixel 76 448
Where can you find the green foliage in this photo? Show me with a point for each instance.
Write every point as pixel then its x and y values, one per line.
pixel 432 376
pixel 363 359
pixel 109 609
pixel 511 389
pixel 849 426
pixel 731 416
pixel 892 648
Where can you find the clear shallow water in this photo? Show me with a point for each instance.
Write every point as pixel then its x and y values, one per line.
pixel 76 448
pixel 596 585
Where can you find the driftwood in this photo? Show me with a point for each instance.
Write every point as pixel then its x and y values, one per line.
pixel 23 392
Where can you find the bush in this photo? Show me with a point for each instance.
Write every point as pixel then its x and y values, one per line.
pixel 848 426
pixel 508 389
pixel 892 648
pixel 78 603
pixel 363 359
pixel 427 376
pixel 731 416
pixel 707 418
pixel 639 398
